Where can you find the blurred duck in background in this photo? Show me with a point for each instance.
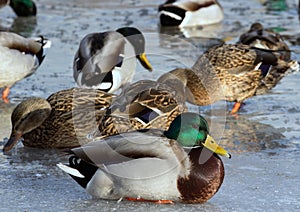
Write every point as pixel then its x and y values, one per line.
pixel 20 57
pixel 20 7
pixel 259 37
pixel 190 13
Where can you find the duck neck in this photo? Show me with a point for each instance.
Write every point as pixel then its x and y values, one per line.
pixel 200 89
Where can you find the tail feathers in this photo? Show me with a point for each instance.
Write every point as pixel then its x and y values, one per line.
pixel 46 44
pixel 69 170
pixel 81 171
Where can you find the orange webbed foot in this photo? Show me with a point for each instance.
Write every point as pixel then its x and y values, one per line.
pixel 5 93
pixel 236 108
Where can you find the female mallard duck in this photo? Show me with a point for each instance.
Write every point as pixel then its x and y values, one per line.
pixel 179 164
pixel 231 72
pixel 142 105
pixel 107 60
pixel 21 7
pixel 61 121
pixel 259 37
pixel 190 13
pixel 20 57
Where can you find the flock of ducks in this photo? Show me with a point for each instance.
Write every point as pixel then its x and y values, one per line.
pixel 141 144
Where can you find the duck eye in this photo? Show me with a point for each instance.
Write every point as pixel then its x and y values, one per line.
pixel 196 126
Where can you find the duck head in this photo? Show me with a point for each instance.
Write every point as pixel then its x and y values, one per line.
pixel 27 116
pixel 23 7
pixel 191 130
pixel 137 40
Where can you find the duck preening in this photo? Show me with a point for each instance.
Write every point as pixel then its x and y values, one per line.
pixel 107 60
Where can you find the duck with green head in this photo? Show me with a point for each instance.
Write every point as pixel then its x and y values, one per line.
pixel 21 7
pixel 179 164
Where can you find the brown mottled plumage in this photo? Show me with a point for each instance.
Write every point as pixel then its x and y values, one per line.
pixel 61 121
pixel 259 37
pixel 144 104
pixel 231 72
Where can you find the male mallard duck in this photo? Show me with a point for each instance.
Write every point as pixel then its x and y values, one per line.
pixel 61 121
pixel 179 164
pixel 106 60
pixel 20 57
pixel 190 13
pixel 20 7
pixel 259 37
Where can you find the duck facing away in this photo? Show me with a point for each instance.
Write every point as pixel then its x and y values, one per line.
pixel 190 13
pixel 61 121
pixel 179 164
pixel 107 60
pixel 20 57
pixel 20 7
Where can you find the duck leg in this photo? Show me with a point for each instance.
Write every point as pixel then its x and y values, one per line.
pixel 236 108
pixel 162 201
pixel 5 93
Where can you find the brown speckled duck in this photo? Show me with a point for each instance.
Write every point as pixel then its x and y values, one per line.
pixel 231 72
pixel 61 121
pixel 178 164
pixel 142 105
pixel 259 37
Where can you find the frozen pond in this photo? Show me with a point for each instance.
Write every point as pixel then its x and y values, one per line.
pixel 263 174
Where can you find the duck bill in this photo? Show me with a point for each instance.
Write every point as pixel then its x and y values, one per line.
pixel 12 141
pixel 144 61
pixel 212 145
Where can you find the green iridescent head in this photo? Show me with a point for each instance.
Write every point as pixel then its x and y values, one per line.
pixel 191 130
pixel 23 7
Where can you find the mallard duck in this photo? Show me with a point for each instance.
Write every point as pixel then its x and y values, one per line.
pixel 179 164
pixel 233 72
pixel 148 104
pixel 190 13
pixel 259 37
pixel 21 7
pixel 61 121
pixel 20 57
pixel 107 60
pixel 142 105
